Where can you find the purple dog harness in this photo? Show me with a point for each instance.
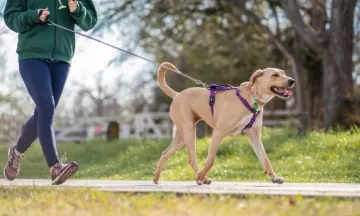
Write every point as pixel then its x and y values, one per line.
pixel 214 88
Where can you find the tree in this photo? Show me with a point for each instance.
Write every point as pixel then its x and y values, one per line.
pixel 101 97
pixel 140 99
pixel 12 92
pixel 211 37
pixel 283 47
pixel 334 45
pixel 198 38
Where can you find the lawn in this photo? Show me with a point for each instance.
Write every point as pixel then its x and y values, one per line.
pixel 30 201
pixel 316 157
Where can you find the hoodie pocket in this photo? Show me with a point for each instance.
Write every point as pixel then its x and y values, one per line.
pixel 38 37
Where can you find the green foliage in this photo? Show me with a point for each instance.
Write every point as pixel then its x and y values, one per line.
pixel 203 41
pixel 206 44
pixel 316 157
pixel 210 41
pixel 30 201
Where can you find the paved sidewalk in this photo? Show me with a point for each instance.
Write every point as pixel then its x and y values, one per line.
pixel 305 189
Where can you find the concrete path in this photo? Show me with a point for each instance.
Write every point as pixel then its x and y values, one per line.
pixel 305 189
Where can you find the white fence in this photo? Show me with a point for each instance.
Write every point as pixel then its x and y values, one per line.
pixel 145 125
pixel 140 126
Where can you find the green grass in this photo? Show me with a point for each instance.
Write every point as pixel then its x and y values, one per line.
pixel 316 157
pixel 32 201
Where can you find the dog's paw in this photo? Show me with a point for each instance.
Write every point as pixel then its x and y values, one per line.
pixel 156 178
pixel 277 180
pixel 200 177
pixel 205 180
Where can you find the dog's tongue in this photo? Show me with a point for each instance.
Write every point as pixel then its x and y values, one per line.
pixel 288 92
pixel 284 91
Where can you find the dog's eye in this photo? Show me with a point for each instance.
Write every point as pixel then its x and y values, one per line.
pixel 275 75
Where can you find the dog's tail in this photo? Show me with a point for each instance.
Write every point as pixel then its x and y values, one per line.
pixel 161 79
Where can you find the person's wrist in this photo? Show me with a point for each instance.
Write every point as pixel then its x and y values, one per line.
pixel 77 11
pixel 34 16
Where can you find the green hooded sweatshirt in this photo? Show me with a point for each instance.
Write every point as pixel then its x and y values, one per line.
pixel 42 41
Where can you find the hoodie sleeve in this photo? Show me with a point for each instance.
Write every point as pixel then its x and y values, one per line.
pixel 85 15
pixel 17 18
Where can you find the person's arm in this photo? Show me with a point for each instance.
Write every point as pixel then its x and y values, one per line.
pixel 17 18
pixel 85 14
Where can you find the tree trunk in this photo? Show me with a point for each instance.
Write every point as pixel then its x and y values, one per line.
pixel 300 94
pixel 99 107
pixel 337 65
pixel 335 48
pixel 337 90
pixel 312 76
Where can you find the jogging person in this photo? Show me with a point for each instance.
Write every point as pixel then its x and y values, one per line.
pixel 44 54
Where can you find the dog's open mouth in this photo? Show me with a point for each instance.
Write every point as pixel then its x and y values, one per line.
pixel 282 92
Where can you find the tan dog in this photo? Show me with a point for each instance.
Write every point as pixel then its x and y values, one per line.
pixel 230 117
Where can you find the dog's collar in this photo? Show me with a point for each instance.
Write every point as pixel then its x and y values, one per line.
pixel 256 103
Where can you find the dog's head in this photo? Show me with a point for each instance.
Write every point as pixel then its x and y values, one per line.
pixel 273 81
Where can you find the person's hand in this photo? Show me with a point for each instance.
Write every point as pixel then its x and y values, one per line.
pixel 72 6
pixel 44 14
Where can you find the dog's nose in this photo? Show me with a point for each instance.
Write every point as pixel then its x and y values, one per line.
pixel 291 82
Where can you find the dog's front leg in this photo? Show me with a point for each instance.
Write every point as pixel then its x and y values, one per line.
pixel 258 147
pixel 216 139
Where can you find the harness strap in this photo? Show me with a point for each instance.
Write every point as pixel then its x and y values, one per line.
pixel 212 97
pixel 250 124
pixel 214 88
pixel 244 101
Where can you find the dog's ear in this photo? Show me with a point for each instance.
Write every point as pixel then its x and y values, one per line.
pixel 255 75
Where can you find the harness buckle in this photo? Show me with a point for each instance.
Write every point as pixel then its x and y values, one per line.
pixel 212 100
pixel 212 89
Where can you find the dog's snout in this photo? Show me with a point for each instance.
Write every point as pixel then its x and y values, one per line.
pixel 291 82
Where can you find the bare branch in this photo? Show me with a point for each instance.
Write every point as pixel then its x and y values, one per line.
pixel 281 46
pixel 255 19
pixel 108 96
pixel 292 12
pixel 278 32
pixel 113 13
pixel 89 93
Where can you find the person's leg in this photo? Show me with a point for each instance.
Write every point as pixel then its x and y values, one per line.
pixel 37 79
pixel 59 73
pixel 45 83
pixel 29 133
